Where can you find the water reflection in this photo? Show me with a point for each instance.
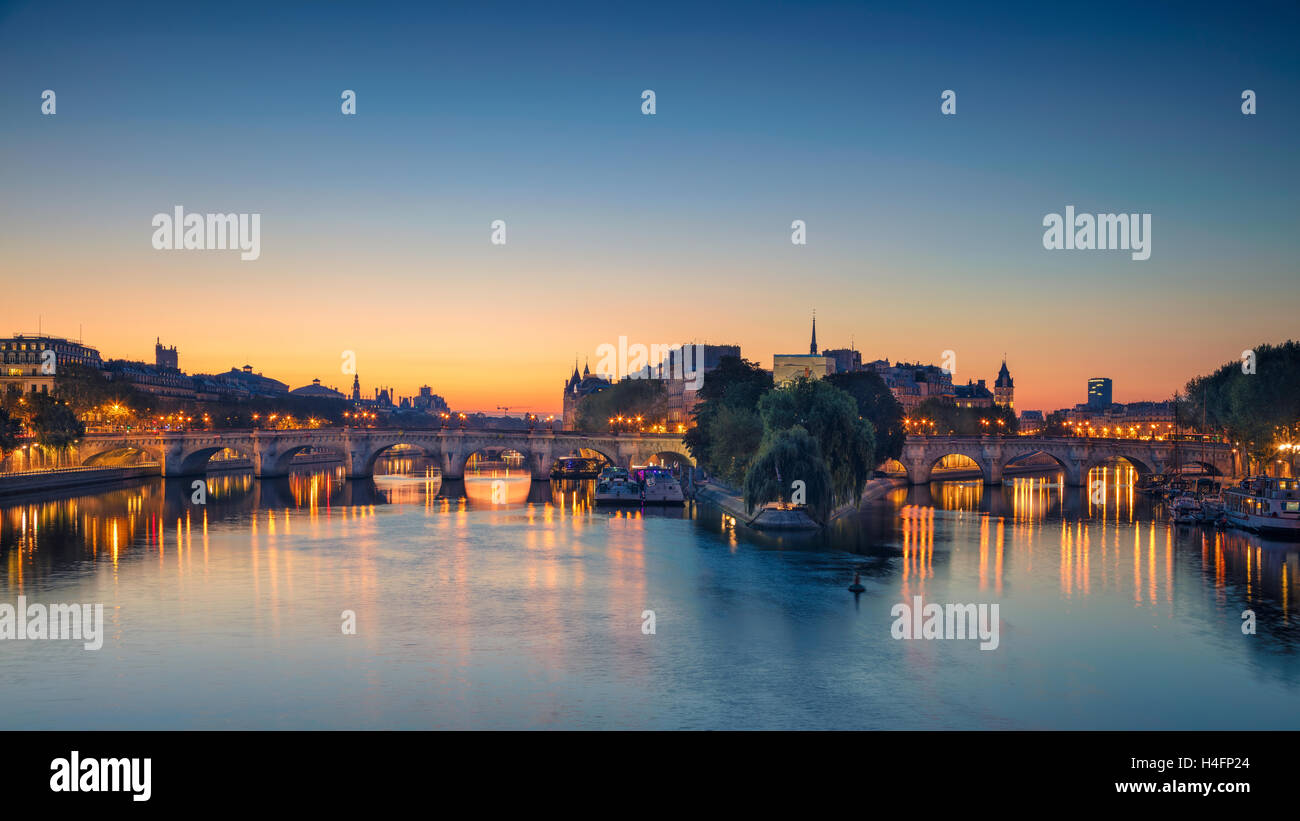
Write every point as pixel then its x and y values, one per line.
pixel 1102 539
pixel 530 615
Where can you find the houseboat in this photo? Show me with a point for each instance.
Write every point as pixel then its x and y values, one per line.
pixel 1265 505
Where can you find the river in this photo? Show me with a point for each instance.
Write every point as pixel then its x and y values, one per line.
pixel 551 614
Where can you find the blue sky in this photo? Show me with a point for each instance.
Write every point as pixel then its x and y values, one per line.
pixel 924 230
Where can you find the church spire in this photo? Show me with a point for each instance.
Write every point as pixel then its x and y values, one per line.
pixel 812 347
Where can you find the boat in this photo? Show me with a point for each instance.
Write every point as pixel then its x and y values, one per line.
pixel 574 466
pixel 1151 483
pixel 615 486
pixel 1183 508
pixel 1211 509
pixel 660 487
pixel 1265 505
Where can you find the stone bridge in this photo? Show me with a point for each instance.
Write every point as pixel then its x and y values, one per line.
pixel 1075 455
pixel 271 451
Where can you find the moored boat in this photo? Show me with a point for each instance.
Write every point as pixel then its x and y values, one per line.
pixel 660 487
pixel 1184 508
pixel 1211 509
pixel 574 466
pixel 616 487
pixel 1265 505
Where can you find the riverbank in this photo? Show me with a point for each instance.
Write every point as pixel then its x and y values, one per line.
pixel 12 484
pixel 732 502
pixel 35 481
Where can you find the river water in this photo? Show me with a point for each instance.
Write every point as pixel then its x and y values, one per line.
pixel 230 614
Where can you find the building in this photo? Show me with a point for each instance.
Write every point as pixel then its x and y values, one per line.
pixel 913 384
pixel 1032 421
pixel 242 383
pixel 429 402
pixel 847 360
pixel 165 359
pixel 151 379
pixel 1004 389
pixel 577 388
pixel 1099 393
pixel 1132 419
pixel 787 367
pixel 31 361
pixel 317 391
pixel 972 395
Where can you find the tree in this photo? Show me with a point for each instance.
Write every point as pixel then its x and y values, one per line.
pixel 735 435
pixel 1257 407
pixel 788 456
pixel 629 398
pixel 736 384
pixel 54 423
pixel 1054 425
pixel 876 404
pixel 950 418
pixel 10 428
pixel 846 441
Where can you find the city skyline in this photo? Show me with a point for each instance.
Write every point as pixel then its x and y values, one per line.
pixel 924 231
pixel 343 383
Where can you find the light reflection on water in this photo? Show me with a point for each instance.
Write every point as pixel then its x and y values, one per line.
pixel 530 615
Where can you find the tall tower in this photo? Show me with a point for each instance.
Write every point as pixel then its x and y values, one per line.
pixel 165 359
pixel 1004 390
pixel 812 347
pixel 356 387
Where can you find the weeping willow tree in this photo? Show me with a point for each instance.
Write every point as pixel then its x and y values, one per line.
pixel 846 442
pixel 789 456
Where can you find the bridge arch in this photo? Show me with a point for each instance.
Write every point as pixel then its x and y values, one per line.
pixel 199 460
pixel 1210 468
pixel 988 471
pixel 511 456
pixel 667 457
pixel 104 458
pixel 1066 465
pixel 1143 467
pixel 386 447
pixel 284 459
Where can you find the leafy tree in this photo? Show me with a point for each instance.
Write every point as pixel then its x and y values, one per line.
pixel 646 398
pixel 10 428
pixel 950 418
pixel 735 435
pixel 736 384
pixel 54 423
pixel 1257 410
pixel 85 389
pixel 1054 425
pixel 846 441
pixel 789 455
pixel 876 404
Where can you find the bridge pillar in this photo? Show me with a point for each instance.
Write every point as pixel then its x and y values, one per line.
pixel 173 459
pixel 918 471
pixel 266 459
pixel 1074 473
pixel 542 461
pixel 357 464
pixel 992 472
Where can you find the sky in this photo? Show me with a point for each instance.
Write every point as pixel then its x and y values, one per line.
pixel 924 231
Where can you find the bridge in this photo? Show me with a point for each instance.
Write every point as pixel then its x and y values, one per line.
pixel 1075 455
pixel 271 452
